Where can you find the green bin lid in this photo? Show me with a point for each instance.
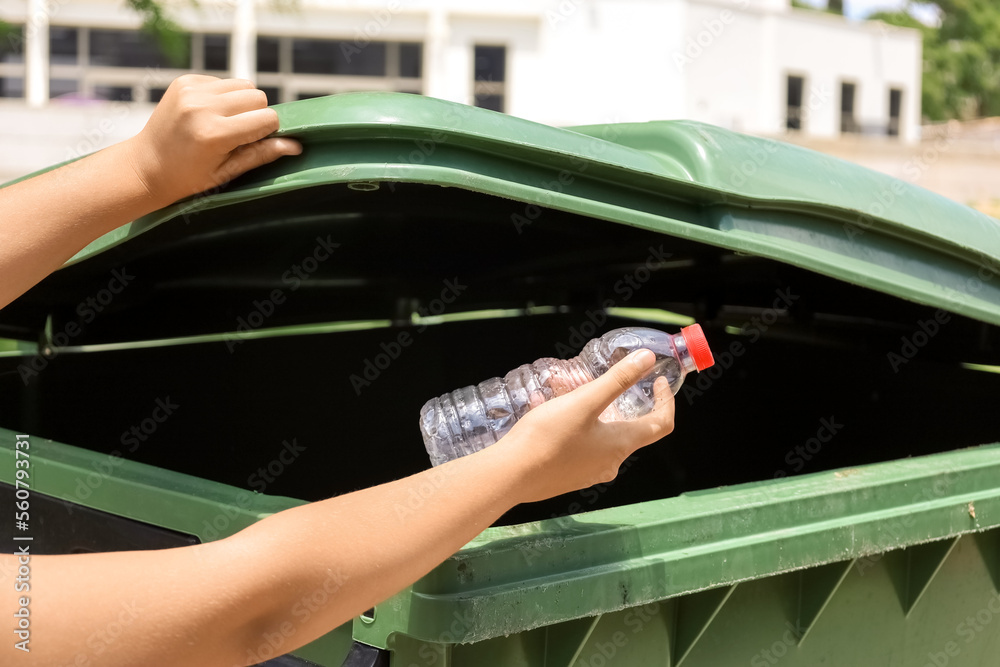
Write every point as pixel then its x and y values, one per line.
pixel 747 196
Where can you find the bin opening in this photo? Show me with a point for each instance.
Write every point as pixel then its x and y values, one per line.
pixel 811 373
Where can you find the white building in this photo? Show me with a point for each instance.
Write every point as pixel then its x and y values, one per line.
pixel 756 66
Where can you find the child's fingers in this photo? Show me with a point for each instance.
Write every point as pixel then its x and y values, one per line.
pixel 235 102
pixel 253 155
pixel 200 80
pixel 663 397
pixel 597 395
pixel 219 86
pixel 251 126
pixel 658 423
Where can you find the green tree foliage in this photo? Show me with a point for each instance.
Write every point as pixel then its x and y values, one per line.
pixel 170 37
pixel 11 39
pixel 173 41
pixel 6 30
pixel 961 58
pixel 832 6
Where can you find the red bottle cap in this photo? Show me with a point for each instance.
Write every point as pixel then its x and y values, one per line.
pixel 697 345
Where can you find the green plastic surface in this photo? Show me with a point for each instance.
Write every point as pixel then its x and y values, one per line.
pixel 186 504
pixel 881 565
pixel 714 577
pixel 690 180
pixel 514 579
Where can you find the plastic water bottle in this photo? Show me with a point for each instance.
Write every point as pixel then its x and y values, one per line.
pixel 469 419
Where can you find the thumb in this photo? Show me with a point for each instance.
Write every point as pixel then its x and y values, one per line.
pixel 599 394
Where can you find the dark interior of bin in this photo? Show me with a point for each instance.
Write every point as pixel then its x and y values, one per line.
pixel 822 361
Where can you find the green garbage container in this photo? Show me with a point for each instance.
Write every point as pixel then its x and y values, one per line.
pixel 831 494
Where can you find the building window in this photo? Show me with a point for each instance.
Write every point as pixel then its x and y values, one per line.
pixel 411 60
pixel 273 94
pixel 268 52
pixel 130 48
pixel 11 87
pixel 113 64
pixel 895 108
pixel 292 68
pixel 489 77
pixel 12 62
pixel 64 45
pixel 848 123
pixel 323 56
pixel 793 113
pixel 12 45
pixel 217 53
pixel 63 87
pixel 113 93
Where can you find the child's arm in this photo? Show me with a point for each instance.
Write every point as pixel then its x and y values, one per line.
pixel 213 604
pixel 210 604
pixel 203 133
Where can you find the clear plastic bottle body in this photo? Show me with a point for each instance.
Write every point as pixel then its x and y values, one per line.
pixel 468 419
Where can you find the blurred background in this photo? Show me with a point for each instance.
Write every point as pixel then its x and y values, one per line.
pixel 909 89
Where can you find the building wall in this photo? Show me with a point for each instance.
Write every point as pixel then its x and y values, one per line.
pixel 726 56
pixel 737 58
pixel 603 61
pixel 568 62
pixel 870 55
pixel 29 143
